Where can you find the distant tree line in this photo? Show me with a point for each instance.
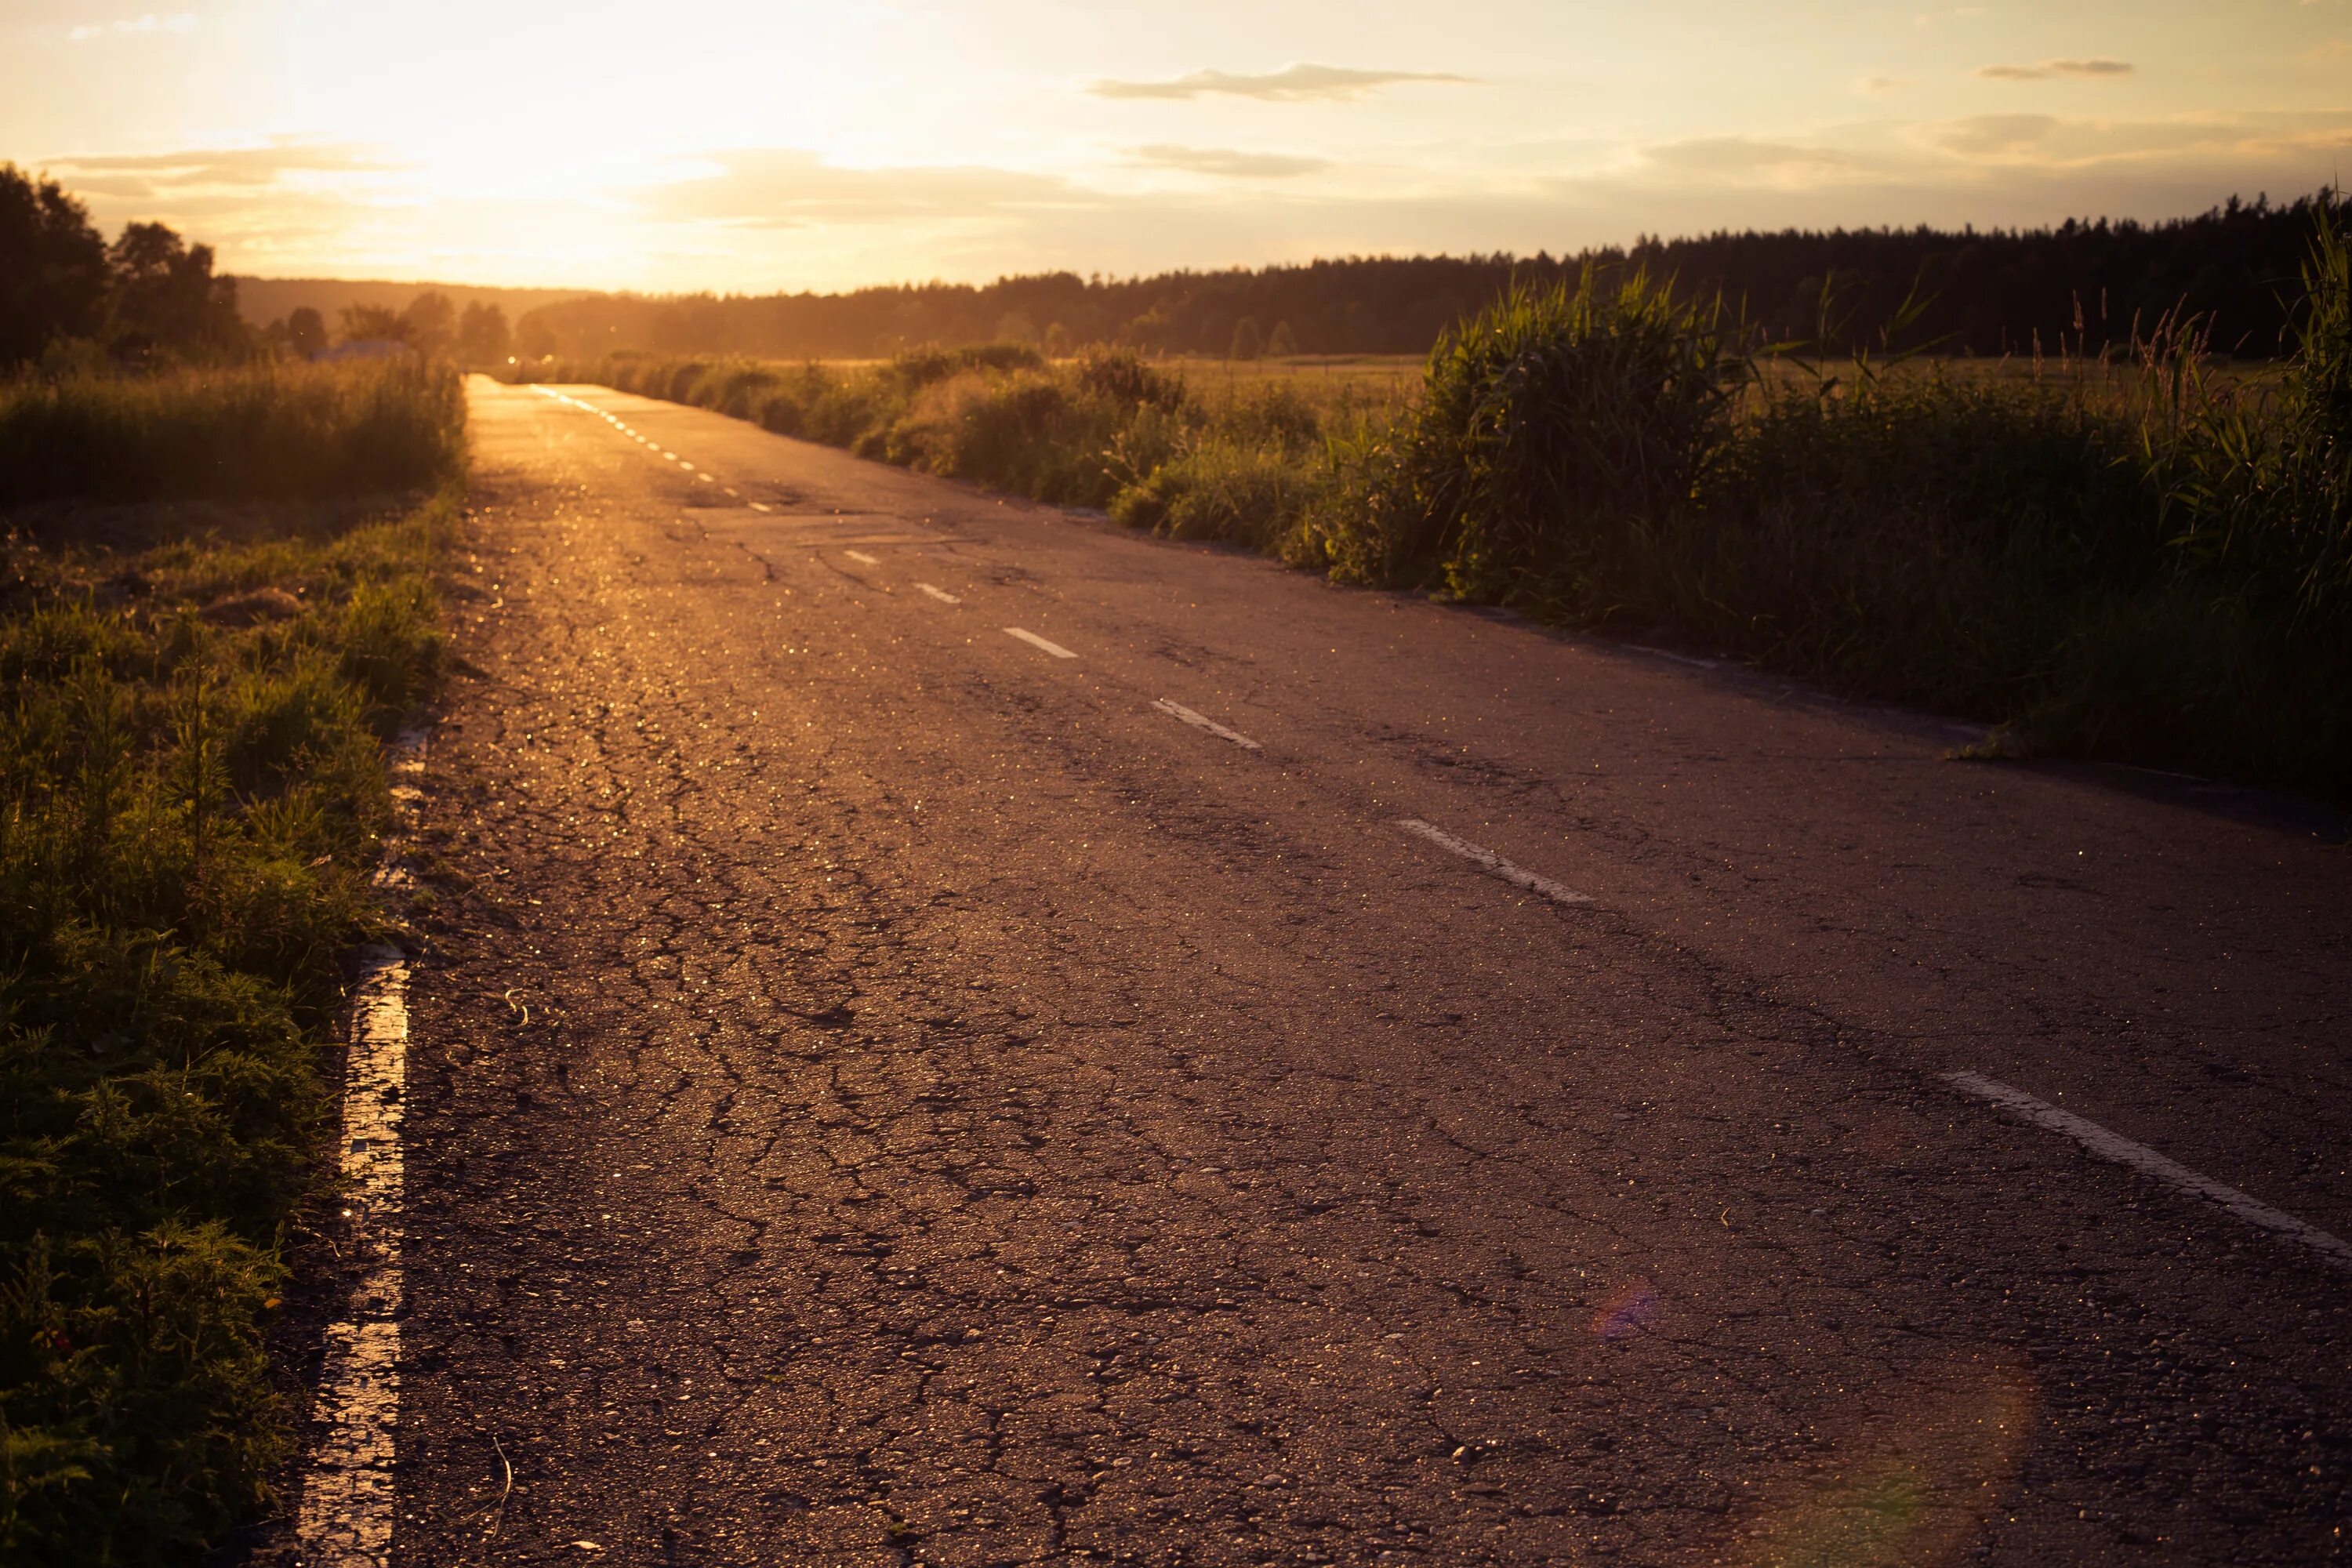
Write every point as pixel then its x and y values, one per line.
pixel 69 300
pixel 2082 285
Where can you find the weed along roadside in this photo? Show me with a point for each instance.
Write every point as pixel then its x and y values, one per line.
pixel 218 611
pixel 2141 559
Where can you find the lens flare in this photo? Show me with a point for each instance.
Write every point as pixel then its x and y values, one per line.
pixel 1909 1484
pixel 1625 1314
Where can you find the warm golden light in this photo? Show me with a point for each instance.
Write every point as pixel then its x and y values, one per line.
pixel 710 145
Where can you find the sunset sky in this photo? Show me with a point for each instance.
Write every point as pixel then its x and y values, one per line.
pixel 705 143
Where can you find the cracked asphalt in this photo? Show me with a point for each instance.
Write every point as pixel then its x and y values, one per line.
pixel 883 1095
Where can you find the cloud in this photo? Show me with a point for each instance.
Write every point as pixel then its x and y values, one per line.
pixel 1225 164
pixel 1291 84
pixel 238 166
pixel 159 175
pixel 2198 146
pixel 133 26
pixel 1991 135
pixel 2092 67
pixel 1750 160
pixel 785 188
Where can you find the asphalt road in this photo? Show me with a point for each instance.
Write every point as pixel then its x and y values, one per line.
pixel 882 1091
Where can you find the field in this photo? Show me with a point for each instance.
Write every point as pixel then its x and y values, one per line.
pixel 195 688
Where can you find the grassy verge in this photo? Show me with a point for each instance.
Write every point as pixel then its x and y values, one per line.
pixel 2147 560
pixel 268 431
pixel 192 706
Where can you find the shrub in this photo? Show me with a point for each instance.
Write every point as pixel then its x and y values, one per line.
pixel 1552 426
pixel 1222 488
pixel 1919 538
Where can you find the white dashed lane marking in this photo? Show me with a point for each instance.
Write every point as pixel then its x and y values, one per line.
pixel 2114 1146
pixel 861 558
pixel 1034 640
pixel 1677 657
pixel 941 594
pixel 1202 722
pixel 1494 865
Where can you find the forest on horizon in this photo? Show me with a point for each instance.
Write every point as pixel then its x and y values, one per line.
pixel 2082 285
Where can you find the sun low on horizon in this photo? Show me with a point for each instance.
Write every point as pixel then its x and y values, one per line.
pixel 714 145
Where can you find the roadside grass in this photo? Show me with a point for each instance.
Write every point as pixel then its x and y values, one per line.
pixel 2144 559
pixel 193 702
pixel 263 431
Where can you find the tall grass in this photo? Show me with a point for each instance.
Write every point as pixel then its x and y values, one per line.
pixel 191 793
pixel 262 431
pixel 2144 560
pixel 1554 427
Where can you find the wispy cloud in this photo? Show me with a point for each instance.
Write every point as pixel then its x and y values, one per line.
pixel 1747 159
pixel 144 175
pixel 2047 68
pixel 781 188
pixel 1992 135
pixel 1291 84
pixel 133 26
pixel 1226 164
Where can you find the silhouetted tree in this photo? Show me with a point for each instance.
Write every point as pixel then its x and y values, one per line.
pixel 371 323
pixel 53 268
pixel 482 334
pixel 306 332
pixel 1280 344
pixel 1247 341
pixel 167 299
pixel 429 325
pixel 1057 340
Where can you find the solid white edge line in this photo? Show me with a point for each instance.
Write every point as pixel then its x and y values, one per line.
pixel 1494 865
pixel 1034 640
pixel 345 1518
pixel 861 558
pixel 941 594
pixel 2148 1162
pixel 1202 722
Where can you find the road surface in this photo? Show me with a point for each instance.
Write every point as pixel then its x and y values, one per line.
pixel 956 1034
